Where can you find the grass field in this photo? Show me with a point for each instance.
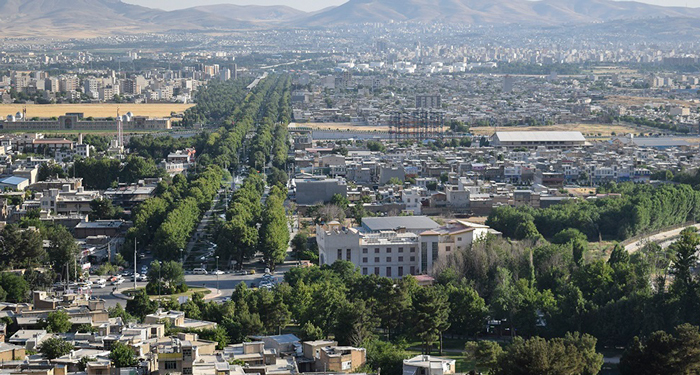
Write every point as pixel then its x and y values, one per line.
pixel 605 130
pixel 94 110
pixel 190 291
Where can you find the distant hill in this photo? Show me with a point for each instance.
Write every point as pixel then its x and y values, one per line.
pixel 253 13
pixel 544 12
pixel 87 18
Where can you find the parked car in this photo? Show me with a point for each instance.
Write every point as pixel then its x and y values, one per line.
pixel 200 271
pixel 217 272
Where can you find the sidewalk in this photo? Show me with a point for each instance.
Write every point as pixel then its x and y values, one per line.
pixel 659 237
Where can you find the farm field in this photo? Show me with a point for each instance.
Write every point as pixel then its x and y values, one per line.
pixel 95 110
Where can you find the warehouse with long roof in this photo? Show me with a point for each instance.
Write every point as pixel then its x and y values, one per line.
pixel 534 139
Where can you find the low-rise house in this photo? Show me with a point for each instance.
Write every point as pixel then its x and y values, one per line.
pixel 428 365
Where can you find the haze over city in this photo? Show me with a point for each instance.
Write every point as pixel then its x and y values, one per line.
pixel 360 187
pixel 314 5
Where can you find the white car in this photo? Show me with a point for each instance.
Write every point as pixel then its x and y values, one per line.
pixel 200 271
pixel 217 272
pixel 118 281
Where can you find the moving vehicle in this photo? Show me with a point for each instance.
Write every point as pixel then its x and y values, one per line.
pixel 217 272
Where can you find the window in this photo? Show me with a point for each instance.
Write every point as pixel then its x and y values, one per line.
pixel 388 259
pixel 348 254
pixel 400 271
pixel 187 371
pixel 413 270
pixel 413 249
pixel 447 248
pixel 187 353
pixel 435 252
pixel 340 254
pixel 170 365
pixel 424 256
pixel 413 259
pixel 388 250
pixel 400 259
pixel 400 249
pixel 459 238
pixel 376 271
pixel 388 272
pixel 364 250
pixel 376 250
pixel 364 271
pixel 364 260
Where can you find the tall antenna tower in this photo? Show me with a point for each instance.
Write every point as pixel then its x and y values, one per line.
pixel 120 130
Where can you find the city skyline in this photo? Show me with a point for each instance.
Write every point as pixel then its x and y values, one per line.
pixel 315 5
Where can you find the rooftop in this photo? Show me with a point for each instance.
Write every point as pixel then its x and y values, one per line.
pixel 377 224
pixel 540 136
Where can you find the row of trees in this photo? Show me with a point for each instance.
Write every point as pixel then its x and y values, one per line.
pixel 168 220
pixel 636 210
pixel 250 226
pixel 102 173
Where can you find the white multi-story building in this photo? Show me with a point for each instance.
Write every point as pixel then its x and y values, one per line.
pixel 395 253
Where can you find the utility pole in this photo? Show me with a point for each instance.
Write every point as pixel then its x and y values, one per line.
pixel 217 273
pixel 134 263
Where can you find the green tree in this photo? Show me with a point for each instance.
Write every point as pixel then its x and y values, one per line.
pixel 119 312
pixel 237 241
pixel 300 244
pixel 141 305
pixel 467 310
pixel 309 332
pixel 573 354
pixel 664 353
pixel 484 353
pixel 355 323
pixel 62 250
pixel 122 355
pixel 430 316
pixel 169 274
pixel 58 322
pixel 340 201
pixel 55 347
pixel 684 286
pixel 274 231
pixel 385 356
pixel 103 209
pixel 15 287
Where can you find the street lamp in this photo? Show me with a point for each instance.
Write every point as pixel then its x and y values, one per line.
pixel 217 273
pixel 182 260
pixel 160 281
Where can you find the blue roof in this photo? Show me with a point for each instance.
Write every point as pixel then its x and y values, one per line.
pixel 13 180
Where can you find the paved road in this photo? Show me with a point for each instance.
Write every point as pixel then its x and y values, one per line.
pixel 664 239
pixel 227 283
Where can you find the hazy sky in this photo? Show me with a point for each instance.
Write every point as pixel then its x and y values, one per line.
pixel 310 5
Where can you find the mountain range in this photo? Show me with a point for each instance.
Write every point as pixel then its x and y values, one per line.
pixel 84 18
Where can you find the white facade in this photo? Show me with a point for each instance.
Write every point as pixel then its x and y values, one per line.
pixel 394 253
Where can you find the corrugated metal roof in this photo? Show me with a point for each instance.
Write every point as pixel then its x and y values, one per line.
pixel 540 136
pixel 13 180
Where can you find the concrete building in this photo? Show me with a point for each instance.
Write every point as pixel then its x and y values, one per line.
pixel 531 140
pixel 508 82
pixel 310 191
pixel 77 121
pixel 428 101
pixel 428 365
